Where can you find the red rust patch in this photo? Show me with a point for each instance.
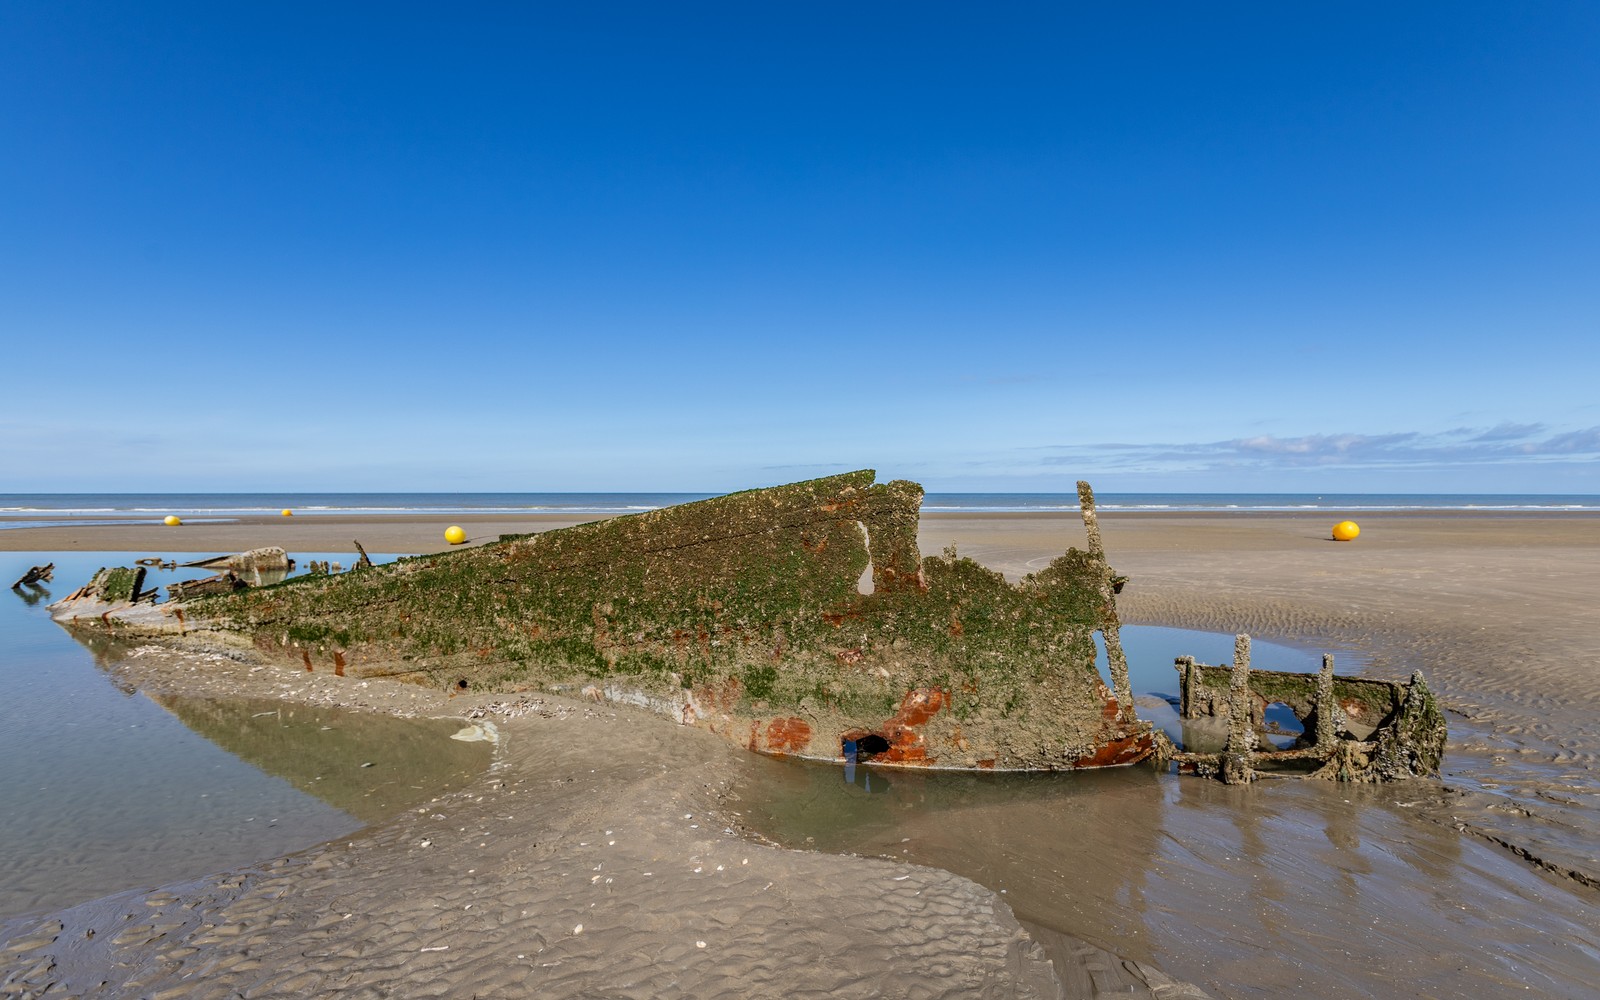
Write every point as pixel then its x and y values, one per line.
pixel 906 749
pixel 789 735
pixel 338 663
pixel 1127 750
pixel 305 654
pixel 919 705
pixel 1110 711
pixel 901 732
pixel 987 765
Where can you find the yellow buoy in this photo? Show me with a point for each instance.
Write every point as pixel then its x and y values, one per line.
pixel 172 520
pixel 287 512
pixel 1346 531
pixel 454 535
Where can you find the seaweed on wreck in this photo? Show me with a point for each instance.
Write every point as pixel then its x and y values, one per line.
pixel 796 619
pixel 1355 728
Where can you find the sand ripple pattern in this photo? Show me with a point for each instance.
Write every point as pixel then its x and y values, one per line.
pixel 538 883
pixel 1498 633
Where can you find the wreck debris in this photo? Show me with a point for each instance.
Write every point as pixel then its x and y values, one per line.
pixel 1356 728
pixel 270 558
pixel 796 620
pixel 225 582
pixel 365 561
pixel 108 590
pixel 34 576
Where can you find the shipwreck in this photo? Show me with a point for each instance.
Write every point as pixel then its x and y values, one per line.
pixel 798 620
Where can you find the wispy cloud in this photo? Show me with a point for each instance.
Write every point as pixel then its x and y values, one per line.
pixel 1501 445
pixel 1575 443
pixel 1507 432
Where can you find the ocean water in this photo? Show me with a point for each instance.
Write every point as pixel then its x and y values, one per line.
pixel 39 509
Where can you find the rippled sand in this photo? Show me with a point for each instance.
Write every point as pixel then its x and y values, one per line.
pixel 1481 885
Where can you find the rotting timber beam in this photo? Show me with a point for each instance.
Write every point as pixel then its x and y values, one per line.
pixel 34 576
pixel 744 615
pixel 1403 736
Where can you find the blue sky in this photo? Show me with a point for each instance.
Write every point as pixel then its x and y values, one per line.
pixel 1278 247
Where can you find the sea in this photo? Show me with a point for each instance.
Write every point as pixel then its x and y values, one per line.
pixel 48 509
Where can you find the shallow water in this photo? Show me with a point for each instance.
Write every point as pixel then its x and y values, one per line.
pixel 1151 649
pixel 1250 891
pixel 105 789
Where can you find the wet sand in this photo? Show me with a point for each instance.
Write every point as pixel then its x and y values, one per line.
pixel 413 533
pixel 1482 885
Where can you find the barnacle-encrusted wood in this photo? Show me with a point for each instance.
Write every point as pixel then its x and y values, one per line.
pixel 1355 728
pixel 789 619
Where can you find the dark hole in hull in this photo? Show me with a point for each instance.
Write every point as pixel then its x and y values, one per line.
pixel 871 745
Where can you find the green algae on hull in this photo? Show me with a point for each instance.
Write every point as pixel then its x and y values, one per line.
pixel 799 619
pixel 788 619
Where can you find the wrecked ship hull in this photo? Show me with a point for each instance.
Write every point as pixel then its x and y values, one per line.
pixel 793 620
pixel 798 620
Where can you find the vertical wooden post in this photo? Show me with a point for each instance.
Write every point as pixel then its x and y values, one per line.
pixel 1327 706
pixel 1238 759
pixel 1241 734
pixel 1187 682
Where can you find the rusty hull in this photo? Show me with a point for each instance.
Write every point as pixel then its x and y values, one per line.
pixel 786 619
pixel 794 620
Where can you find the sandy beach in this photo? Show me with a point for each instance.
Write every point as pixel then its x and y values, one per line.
pixel 606 853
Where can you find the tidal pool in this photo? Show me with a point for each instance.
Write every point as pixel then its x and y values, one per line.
pixel 105 788
pixel 1263 890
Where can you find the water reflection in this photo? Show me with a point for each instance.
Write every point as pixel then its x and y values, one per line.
pixel 1150 650
pixel 1262 890
pixel 1016 832
pixel 861 777
pixel 370 766
pixel 103 789
pixel 32 594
